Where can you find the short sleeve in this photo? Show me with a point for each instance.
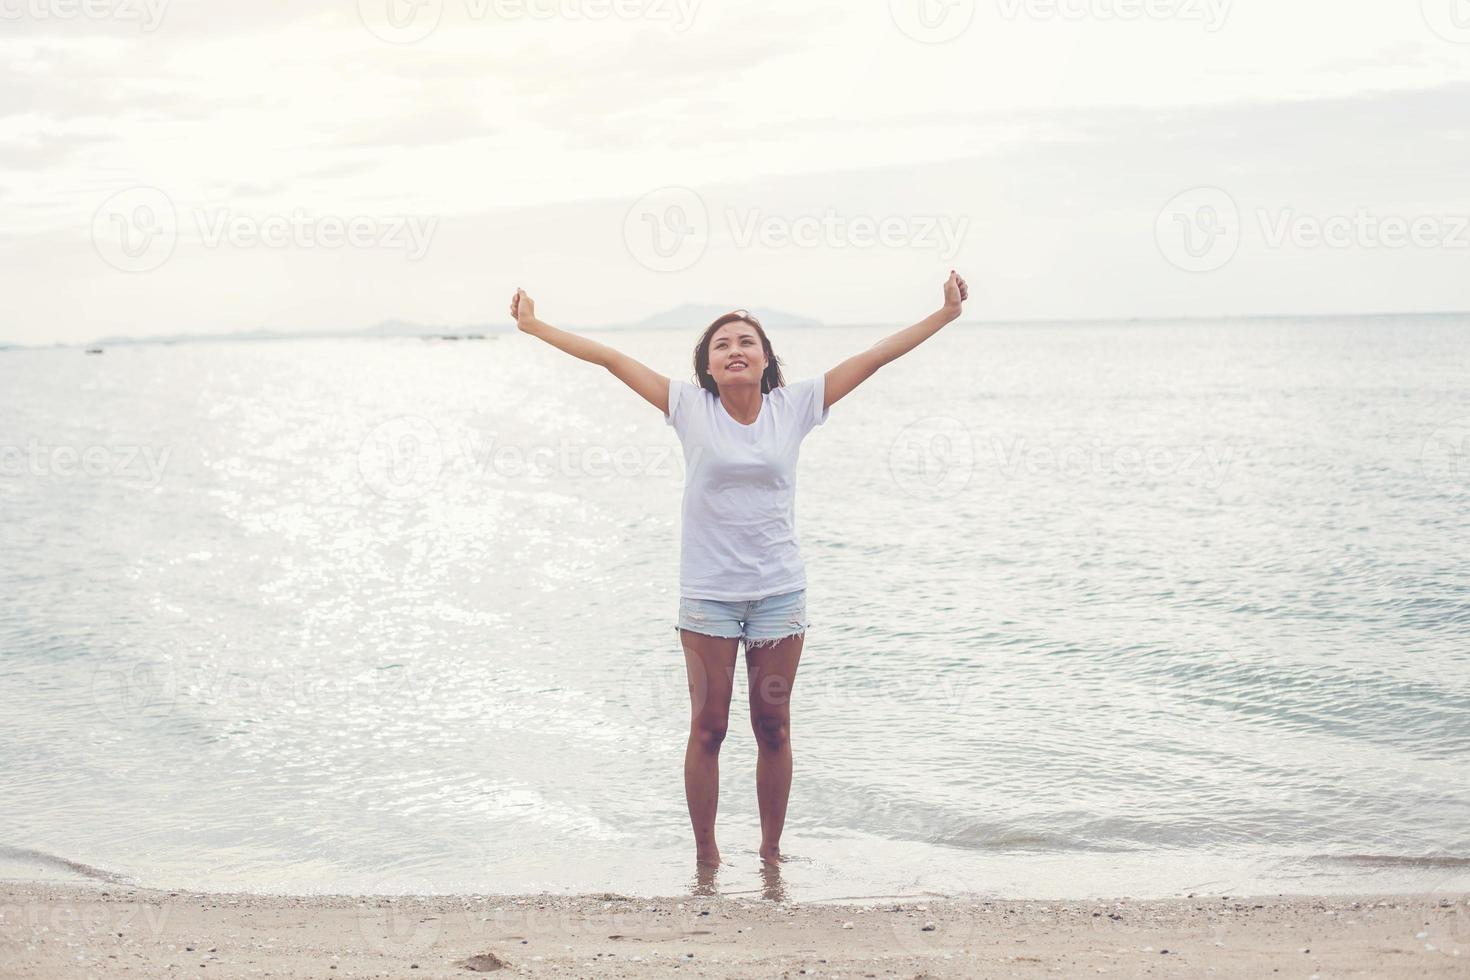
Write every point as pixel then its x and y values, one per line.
pixel 807 396
pixel 679 393
pixel 819 396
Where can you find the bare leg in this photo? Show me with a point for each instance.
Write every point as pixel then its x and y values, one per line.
pixel 710 662
pixel 772 672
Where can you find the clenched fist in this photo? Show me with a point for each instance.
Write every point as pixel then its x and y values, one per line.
pixel 522 309
pixel 955 291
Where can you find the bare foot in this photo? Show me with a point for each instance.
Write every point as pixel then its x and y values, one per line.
pixel 771 855
pixel 708 858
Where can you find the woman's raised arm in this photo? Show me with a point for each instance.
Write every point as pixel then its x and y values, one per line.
pixel 861 366
pixel 652 386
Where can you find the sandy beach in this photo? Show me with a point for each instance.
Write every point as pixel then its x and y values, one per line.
pixel 63 930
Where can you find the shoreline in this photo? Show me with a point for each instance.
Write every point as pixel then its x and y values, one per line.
pixel 852 872
pixel 55 929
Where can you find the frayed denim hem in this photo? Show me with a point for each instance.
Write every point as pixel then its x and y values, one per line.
pixel 756 644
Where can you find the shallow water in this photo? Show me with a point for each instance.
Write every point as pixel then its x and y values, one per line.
pixel 1098 609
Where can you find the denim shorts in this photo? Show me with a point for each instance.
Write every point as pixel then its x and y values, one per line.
pixel 760 622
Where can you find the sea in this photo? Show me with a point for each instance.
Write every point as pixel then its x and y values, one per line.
pixel 1098 609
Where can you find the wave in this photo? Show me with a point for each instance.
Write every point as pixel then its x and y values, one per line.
pixel 56 862
pixel 1396 860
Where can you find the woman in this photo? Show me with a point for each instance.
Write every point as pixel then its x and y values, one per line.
pixel 741 576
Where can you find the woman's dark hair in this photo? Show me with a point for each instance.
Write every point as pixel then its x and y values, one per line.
pixel 770 378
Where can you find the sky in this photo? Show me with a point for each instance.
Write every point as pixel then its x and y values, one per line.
pixel 204 166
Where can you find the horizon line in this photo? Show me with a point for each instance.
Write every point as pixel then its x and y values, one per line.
pixel 470 328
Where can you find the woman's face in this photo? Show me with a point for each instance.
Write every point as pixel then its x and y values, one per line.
pixel 736 355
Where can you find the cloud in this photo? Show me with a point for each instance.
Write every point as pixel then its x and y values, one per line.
pixel 125 20
pixel 530 140
pixel 48 150
pixel 437 127
pixel 1401 55
pixel 100 82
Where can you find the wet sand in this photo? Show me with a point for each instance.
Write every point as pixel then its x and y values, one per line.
pixel 52 930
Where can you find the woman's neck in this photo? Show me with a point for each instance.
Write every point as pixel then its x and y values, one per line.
pixel 743 402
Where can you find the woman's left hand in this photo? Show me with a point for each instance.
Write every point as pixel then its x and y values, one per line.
pixel 956 291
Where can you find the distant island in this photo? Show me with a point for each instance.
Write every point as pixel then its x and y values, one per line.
pixel 697 316
pixel 686 316
pixel 388 328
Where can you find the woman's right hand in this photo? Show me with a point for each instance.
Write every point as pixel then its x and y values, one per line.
pixel 522 309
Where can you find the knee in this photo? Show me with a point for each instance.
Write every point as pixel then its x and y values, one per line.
pixel 708 735
pixel 772 731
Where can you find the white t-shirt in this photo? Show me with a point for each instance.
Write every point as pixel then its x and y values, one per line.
pixel 738 538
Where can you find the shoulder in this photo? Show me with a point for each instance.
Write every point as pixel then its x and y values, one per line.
pixel 806 397
pixel 682 393
pixel 804 390
pixel 685 391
